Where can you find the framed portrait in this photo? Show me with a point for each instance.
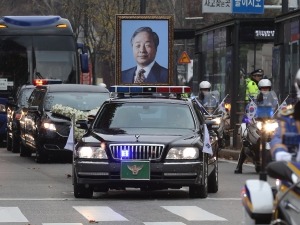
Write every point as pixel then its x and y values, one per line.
pixel 144 49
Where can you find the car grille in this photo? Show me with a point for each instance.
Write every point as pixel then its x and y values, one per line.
pixel 136 151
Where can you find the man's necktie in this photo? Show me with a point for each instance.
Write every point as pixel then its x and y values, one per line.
pixel 140 76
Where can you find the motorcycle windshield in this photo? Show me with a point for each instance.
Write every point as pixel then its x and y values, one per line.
pixel 211 101
pixel 267 103
pixel 267 98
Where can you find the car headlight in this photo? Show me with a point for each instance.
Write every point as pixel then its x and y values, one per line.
pixel 92 152
pixel 183 153
pixel 49 126
pixel 2 108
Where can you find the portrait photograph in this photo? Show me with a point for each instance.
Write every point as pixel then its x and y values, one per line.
pixel 144 53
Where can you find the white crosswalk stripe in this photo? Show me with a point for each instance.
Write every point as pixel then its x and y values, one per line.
pixel 193 213
pixel 98 214
pixel 11 215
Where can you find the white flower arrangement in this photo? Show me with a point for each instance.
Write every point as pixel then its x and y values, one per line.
pixel 78 115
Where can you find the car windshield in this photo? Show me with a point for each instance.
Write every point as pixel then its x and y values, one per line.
pixel 145 115
pixel 24 96
pixel 83 101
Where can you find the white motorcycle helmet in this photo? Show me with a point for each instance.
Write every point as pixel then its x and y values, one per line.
pixel 264 83
pixel 204 85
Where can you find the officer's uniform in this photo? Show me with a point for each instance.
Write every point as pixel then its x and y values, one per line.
pixel 286 123
pixel 251 89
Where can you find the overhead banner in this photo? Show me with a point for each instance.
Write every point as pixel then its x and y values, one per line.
pixel 233 6
pixel 216 6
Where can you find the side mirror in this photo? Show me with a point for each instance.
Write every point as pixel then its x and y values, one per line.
pixel 33 109
pixel 82 124
pixel 84 62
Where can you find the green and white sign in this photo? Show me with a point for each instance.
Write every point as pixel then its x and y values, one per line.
pixel 135 170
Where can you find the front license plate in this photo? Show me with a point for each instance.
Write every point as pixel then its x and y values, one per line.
pixel 135 170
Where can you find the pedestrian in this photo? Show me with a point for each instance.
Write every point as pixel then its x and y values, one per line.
pixel 144 43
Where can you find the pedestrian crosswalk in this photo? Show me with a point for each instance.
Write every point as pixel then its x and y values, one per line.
pixel 98 214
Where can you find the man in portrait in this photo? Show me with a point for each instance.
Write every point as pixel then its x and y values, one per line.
pixel 144 42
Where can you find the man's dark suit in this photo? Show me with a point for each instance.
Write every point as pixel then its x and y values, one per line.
pixel 158 74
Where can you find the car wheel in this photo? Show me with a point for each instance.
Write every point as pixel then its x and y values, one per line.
pixel 200 190
pixel 213 179
pixel 24 152
pixel 8 143
pixel 15 143
pixel 80 191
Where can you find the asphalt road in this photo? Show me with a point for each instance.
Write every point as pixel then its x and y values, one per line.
pixel 42 194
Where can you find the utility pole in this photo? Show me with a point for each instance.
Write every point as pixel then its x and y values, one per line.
pixel 142 6
pixel 285 6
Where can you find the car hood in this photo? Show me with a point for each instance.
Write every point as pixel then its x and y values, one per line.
pixel 57 117
pixel 162 136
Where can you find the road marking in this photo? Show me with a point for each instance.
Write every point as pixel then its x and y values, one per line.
pixel 62 223
pixel 99 213
pixel 164 223
pixel 11 215
pixel 193 213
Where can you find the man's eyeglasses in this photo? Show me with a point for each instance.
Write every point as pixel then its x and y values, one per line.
pixel 257 75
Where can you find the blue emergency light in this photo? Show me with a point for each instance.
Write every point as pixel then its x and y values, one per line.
pixel 150 89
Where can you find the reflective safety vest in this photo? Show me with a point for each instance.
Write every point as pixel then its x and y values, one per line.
pixel 251 89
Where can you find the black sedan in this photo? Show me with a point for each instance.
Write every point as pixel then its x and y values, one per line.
pixel 146 141
pixel 16 109
pixel 46 126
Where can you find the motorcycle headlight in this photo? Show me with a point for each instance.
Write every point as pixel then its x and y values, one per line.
pixel 217 120
pixel 271 126
pixel 49 126
pixel 183 153
pixel 88 152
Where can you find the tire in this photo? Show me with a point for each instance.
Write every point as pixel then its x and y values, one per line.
pixel 80 191
pixel 15 143
pixel 213 179
pixel 8 143
pixel 24 152
pixel 200 190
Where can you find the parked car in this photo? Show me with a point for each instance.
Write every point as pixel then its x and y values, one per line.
pixel 16 109
pixel 44 131
pixel 3 119
pixel 144 139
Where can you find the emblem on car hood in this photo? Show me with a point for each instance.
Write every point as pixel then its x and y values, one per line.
pixel 137 137
pixel 135 169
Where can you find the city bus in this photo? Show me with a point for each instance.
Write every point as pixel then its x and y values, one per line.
pixel 37 47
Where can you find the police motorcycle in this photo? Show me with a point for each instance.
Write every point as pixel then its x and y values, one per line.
pixel 216 116
pixel 279 205
pixel 250 129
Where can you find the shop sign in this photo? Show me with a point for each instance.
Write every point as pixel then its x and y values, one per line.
pixel 216 6
pixel 248 6
pixel 264 34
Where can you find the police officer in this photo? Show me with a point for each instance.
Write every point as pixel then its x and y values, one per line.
pixel 252 83
pixel 264 88
pixel 206 97
pixel 289 121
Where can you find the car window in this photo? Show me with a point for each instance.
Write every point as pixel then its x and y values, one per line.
pixel 78 100
pixel 24 96
pixel 37 97
pixel 145 115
